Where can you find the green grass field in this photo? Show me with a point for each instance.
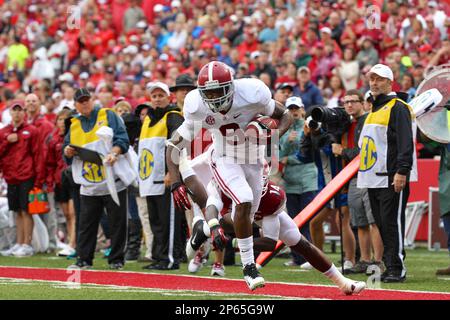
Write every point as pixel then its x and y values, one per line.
pixel 420 262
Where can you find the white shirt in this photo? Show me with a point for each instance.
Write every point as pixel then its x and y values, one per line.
pixel 59 48
pixel 251 97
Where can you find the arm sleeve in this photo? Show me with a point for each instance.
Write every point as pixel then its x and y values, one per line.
pixel 3 144
pixel 350 154
pixel 188 129
pixel 317 97
pixel 404 139
pixel 66 143
pixel 306 152
pixel 50 166
pixel 265 99
pixel 191 125
pixel 120 137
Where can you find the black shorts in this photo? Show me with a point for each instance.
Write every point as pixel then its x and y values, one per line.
pixel 63 194
pixel 18 195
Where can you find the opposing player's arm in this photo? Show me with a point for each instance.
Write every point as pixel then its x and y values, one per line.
pixel 174 147
pixel 282 114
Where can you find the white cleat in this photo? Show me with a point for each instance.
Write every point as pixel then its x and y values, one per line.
pixel 196 264
pixel 353 287
pixel 218 270
pixel 252 277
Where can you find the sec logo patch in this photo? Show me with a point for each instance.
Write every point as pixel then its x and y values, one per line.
pixel 93 173
pixel 368 154
pixel 146 164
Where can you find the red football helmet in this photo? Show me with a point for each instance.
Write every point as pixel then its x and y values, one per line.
pixel 215 84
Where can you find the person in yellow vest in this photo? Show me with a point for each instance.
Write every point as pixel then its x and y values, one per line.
pixel 94 194
pixel 154 182
pixel 388 164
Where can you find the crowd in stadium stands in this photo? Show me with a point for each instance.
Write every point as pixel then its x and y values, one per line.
pixel 316 50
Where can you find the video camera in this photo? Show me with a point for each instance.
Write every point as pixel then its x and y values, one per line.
pixel 334 121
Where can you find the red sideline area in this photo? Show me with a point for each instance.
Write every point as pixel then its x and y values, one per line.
pixel 229 286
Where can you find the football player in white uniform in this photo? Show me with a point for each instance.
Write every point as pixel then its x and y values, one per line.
pixel 225 107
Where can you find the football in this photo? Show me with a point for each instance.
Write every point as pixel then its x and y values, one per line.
pixel 267 122
pixel 260 127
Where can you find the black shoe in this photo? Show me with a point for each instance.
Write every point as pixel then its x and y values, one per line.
pixel 198 237
pixel 163 266
pixel 151 265
pixel 393 276
pixel 81 265
pixel 116 265
pixel 253 277
pixel 132 255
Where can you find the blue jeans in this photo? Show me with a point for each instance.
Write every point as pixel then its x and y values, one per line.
pixel 294 204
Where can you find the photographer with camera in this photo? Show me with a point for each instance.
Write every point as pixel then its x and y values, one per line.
pixel 388 163
pixel 358 199
pixel 323 127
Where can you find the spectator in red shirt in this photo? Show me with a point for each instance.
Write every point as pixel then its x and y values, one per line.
pixel 44 128
pixel 250 43
pixel 19 153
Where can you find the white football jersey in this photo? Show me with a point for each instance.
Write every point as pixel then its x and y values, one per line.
pixel 251 97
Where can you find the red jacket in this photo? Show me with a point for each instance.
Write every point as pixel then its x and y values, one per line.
pixel 44 129
pixel 55 163
pixel 17 160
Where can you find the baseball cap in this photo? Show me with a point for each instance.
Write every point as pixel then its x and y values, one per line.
pixel 255 54
pixel 157 85
pixel 56 95
pixel 84 75
pixel 325 30
pixel 66 76
pixel 294 102
pixel 17 103
pixel 382 70
pixel 158 8
pixel 284 85
pixel 81 93
pixel 304 68
pixel 141 24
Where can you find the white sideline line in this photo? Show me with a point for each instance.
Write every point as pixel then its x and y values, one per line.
pixel 231 279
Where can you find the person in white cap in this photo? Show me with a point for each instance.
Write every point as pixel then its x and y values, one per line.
pixel 299 177
pixel 160 123
pixel 388 163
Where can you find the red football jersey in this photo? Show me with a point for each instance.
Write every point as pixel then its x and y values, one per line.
pixel 271 202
